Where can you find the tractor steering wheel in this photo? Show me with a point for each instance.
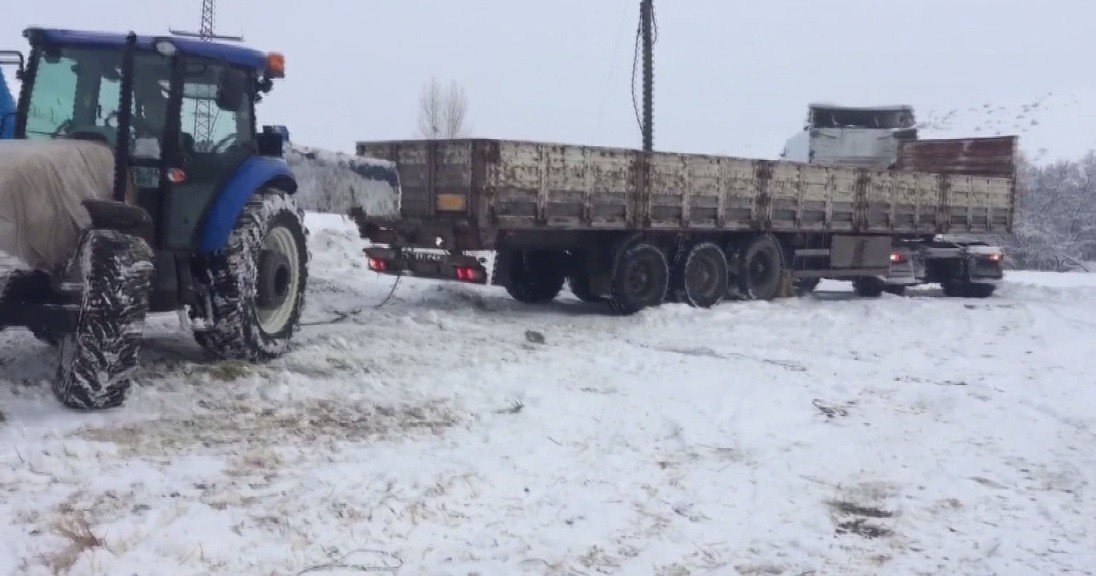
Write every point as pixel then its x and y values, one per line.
pixel 222 144
pixel 63 126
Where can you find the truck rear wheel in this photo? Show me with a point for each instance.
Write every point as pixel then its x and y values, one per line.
pixel 536 277
pixel 640 279
pixel 256 285
pixel 98 359
pixel 762 269
pixel 701 278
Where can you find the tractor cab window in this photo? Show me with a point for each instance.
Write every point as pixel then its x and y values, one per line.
pixel 216 110
pixel 77 92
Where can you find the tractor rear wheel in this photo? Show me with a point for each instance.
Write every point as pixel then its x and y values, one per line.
pixel 98 359
pixel 255 287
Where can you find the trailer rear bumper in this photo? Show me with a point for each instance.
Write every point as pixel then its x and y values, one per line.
pixel 429 264
pixel 985 264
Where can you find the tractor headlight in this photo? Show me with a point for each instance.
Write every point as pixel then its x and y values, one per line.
pixel 166 48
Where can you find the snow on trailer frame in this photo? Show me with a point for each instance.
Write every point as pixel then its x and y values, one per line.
pixel 530 200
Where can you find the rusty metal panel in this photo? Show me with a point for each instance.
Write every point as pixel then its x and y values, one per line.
pixel 515 181
pixel 685 191
pixel 522 185
pixel 994 157
pixel 568 187
pixel 784 192
pixel 976 204
pixel 741 190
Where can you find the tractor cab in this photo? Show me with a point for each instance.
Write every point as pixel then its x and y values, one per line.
pixel 187 133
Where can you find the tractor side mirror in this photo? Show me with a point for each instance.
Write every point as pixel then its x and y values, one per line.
pixel 10 57
pixel 231 90
pixel 271 141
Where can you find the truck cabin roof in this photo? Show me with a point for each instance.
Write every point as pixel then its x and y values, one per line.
pixel 257 60
pixel 878 117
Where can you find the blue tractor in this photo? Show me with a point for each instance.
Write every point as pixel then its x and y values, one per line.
pixel 7 102
pixel 197 212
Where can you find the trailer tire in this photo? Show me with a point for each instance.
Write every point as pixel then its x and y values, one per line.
pixel 536 277
pixel 97 360
pixel 762 270
pixel 641 278
pixel 266 259
pixel 580 287
pixel 702 276
pixel 804 286
pixel 896 289
pixel 868 287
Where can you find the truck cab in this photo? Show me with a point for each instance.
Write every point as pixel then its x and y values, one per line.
pixel 862 137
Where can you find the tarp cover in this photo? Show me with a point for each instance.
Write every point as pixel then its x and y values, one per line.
pixel 42 185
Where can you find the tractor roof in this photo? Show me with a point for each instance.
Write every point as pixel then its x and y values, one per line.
pixel 230 53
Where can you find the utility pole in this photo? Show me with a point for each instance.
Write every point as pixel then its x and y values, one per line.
pixel 204 115
pixel 646 23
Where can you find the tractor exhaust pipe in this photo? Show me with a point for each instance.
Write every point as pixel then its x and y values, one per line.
pixel 121 148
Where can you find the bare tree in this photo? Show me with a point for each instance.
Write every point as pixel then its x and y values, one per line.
pixel 1056 217
pixel 443 112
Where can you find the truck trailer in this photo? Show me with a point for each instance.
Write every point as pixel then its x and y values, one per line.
pixel 634 229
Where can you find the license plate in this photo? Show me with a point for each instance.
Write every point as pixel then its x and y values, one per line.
pixel 427 257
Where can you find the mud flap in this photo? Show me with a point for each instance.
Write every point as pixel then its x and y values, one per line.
pixel 98 359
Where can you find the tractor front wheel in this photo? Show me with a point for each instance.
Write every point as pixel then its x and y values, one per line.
pixel 254 288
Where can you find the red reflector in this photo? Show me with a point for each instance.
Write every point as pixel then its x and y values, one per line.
pixel 378 264
pixel 468 274
pixel 176 175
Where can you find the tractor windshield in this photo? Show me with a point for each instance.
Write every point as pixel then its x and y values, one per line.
pixel 77 91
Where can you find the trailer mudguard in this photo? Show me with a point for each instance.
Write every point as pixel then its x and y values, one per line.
pixel 254 174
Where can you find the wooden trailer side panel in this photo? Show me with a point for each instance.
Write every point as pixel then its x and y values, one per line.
pixel 514 185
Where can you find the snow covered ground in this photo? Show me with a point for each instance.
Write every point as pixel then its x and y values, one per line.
pixel 454 431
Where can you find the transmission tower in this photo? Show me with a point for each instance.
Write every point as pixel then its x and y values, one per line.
pixel 205 116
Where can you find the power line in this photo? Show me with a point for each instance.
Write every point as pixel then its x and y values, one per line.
pixel 205 117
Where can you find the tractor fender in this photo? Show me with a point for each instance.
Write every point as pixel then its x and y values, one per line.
pixel 253 175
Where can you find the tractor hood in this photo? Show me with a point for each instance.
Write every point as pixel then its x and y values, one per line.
pixel 42 186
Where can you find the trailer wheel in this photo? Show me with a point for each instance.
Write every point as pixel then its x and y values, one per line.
pixel 579 285
pixel 804 286
pixel 97 361
pixel 896 289
pixel 868 287
pixel 257 284
pixel 641 279
pixel 762 269
pixel 701 278
pixel 536 277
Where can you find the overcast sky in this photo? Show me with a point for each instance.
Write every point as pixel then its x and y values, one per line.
pixel 732 76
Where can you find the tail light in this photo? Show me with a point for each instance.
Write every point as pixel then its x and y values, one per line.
pixel 897 257
pixel 378 264
pixel 469 274
pixel 994 257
